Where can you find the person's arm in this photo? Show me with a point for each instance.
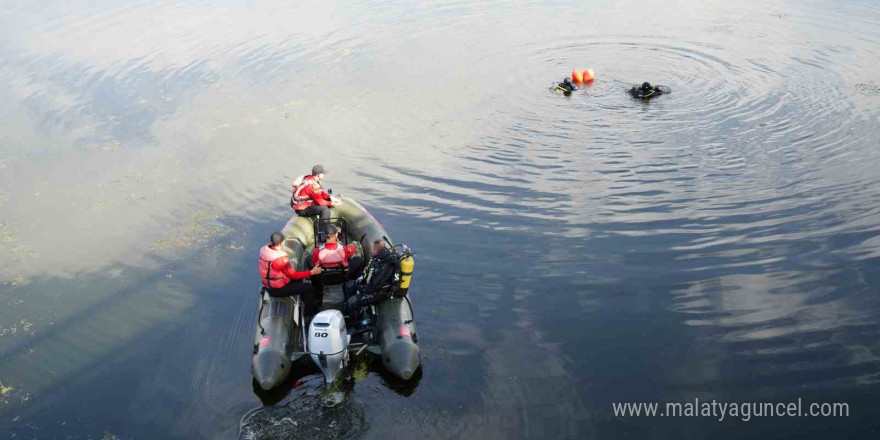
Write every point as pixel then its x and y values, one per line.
pixel 320 197
pixel 315 257
pixel 283 265
pixel 349 251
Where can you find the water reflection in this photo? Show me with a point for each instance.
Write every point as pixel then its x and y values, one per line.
pixel 719 242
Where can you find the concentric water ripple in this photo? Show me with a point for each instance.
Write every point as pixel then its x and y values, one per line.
pixel 720 242
pixel 733 188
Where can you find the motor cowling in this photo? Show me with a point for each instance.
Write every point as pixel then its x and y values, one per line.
pixel 328 343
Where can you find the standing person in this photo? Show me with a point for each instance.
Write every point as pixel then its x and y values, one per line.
pixel 309 199
pixel 280 278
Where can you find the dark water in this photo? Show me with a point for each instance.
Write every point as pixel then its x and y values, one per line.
pixel 721 242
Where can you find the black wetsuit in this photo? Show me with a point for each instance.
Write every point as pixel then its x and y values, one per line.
pixel 378 280
pixel 303 289
pixel 645 91
pixel 565 86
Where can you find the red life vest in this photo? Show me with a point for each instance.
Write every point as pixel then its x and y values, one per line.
pixel 272 278
pixel 331 258
pixel 299 201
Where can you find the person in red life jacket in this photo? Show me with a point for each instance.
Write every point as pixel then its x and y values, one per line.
pixel 309 199
pixel 280 278
pixel 332 254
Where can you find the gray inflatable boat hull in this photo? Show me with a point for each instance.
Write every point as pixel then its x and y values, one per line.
pixel 278 340
pixel 398 340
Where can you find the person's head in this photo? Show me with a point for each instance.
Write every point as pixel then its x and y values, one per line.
pixel 378 245
pixel 646 86
pixel 318 171
pixel 276 238
pixel 332 233
pixel 567 81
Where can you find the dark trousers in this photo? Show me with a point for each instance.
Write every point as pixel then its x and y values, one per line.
pixel 316 295
pixel 355 267
pixel 306 294
pixel 315 210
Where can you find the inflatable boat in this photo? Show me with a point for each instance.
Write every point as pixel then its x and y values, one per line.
pixel 384 325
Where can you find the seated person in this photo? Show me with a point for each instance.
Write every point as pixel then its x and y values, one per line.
pixel 280 278
pixel 309 198
pixel 378 279
pixel 332 254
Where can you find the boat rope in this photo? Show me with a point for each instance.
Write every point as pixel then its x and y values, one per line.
pixel 260 314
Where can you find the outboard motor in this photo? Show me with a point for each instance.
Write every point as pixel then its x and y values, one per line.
pixel 328 343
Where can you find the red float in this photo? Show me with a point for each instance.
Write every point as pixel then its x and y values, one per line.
pixel 588 75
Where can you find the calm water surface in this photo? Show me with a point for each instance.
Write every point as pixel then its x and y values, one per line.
pixel 721 242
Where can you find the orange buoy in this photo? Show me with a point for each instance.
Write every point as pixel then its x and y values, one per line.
pixel 588 75
pixel 577 75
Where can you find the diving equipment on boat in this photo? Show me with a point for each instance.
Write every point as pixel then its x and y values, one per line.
pixel 387 275
pixel 406 270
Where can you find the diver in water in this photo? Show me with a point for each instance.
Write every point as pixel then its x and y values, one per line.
pixel 566 86
pixel 647 91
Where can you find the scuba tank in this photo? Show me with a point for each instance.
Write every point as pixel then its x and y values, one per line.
pixel 387 275
pixel 406 269
pixel 397 336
